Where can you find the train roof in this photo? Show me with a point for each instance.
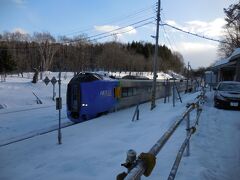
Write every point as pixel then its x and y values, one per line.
pixel 89 77
pixel 135 77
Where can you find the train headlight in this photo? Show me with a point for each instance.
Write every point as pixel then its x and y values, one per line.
pixel 84 105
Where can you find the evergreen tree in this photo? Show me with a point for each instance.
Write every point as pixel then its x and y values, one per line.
pixel 7 64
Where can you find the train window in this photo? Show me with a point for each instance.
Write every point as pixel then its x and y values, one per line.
pixel 98 76
pixel 158 88
pixel 124 92
pixel 149 89
pixel 134 90
pixel 127 92
pixel 130 91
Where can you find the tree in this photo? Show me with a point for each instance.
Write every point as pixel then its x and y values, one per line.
pixel 79 54
pixel 232 36
pixel 47 49
pixel 7 64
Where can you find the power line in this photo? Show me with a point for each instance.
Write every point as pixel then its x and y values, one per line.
pixel 136 27
pixel 194 34
pixel 124 22
pixel 165 35
pixel 117 29
pixel 169 32
pixel 102 35
pixel 133 15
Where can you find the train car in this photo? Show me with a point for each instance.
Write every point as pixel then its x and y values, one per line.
pixel 137 91
pixel 89 95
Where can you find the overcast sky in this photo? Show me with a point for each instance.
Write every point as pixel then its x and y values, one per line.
pixel 75 17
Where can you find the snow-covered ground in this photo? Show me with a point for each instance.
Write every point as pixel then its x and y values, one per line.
pixel 94 150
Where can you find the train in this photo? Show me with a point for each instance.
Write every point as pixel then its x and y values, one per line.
pixel 90 95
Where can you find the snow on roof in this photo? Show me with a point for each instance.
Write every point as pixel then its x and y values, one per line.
pixel 234 55
pixel 220 62
pixel 175 75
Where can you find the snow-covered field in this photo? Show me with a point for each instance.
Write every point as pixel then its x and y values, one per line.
pixel 94 150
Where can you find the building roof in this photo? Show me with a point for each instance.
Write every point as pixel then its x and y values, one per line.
pixel 233 56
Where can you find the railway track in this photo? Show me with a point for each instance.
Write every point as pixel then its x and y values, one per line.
pixel 29 109
pixel 35 134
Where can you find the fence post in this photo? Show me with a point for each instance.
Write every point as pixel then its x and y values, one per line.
pixel 188 132
pixel 54 93
pixel 165 91
pixel 198 112
pixel 176 88
pixel 169 89
pixel 136 113
pixel 173 91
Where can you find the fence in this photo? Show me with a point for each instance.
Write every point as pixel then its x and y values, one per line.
pixel 145 163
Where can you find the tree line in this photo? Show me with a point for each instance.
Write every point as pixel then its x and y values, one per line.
pixel 43 52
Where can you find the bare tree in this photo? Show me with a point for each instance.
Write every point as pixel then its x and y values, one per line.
pixel 232 36
pixel 47 49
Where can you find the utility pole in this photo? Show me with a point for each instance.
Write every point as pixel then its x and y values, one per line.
pixel 153 105
pixel 59 107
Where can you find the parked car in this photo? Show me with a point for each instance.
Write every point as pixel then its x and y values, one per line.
pixel 227 95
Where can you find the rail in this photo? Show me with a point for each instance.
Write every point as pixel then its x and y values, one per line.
pixel 185 144
pixel 35 134
pixel 145 163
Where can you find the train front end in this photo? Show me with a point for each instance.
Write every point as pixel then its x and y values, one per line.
pixel 90 95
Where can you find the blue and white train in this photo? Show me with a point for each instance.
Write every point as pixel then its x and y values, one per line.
pixel 90 94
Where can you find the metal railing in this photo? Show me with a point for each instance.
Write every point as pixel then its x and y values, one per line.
pixel 139 166
pixel 190 131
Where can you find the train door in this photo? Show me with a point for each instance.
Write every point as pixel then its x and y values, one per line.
pixel 74 100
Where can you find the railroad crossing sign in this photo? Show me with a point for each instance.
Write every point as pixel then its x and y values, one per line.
pixel 53 80
pixel 46 80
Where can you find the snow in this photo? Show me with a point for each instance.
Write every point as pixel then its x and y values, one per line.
pixel 220 62
pixel 234 55
pixel 160 75
pixel 95 149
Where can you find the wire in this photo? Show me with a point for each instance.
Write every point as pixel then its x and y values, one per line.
pixel 104 35
pixel 170 33
pixel 165 35
pixel 117 29
pixel 136 27
pixel 194 34
pixel 130 16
